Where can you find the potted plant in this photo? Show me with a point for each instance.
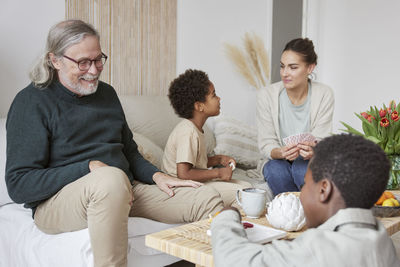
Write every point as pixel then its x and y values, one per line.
pixel 382 126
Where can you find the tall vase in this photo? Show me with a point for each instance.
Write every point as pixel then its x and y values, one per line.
pixel 394 174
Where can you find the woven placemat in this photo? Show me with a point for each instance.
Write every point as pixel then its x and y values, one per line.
pixel 195 231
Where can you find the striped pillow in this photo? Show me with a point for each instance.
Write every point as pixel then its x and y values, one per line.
pixel 237 140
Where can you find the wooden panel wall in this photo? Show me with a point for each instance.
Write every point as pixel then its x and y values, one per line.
pixel 139 38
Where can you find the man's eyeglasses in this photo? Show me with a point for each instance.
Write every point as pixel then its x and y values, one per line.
pixel 86 63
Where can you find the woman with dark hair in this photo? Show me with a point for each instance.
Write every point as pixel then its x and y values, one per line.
pixel 296 106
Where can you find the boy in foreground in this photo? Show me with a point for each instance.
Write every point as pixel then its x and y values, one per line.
pixel 193 98
pixel 345 177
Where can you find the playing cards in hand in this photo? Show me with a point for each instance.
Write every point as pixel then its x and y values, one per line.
pixel 298 138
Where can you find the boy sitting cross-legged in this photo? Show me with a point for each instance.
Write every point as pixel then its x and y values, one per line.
pixel 193 98
pixel 345 177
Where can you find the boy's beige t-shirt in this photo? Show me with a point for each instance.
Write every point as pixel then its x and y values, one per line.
pixel 186 143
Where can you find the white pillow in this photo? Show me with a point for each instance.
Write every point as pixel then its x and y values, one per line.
pixel 4 197
pixel 148 149
pixel 237 140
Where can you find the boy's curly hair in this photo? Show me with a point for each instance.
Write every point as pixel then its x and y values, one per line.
pixel 190 87
pixel 358 167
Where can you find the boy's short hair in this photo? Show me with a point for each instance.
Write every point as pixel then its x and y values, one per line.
pixel 190 87
pixel 358 167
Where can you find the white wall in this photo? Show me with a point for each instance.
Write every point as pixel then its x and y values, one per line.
pixel 203 27
pixel 358 47
pixel 23 29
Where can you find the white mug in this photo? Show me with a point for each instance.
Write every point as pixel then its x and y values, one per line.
pixel 252 201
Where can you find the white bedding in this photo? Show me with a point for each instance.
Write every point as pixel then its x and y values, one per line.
pixel 22 244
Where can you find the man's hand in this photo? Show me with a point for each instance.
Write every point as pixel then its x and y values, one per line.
pixel 166 183
pixel 95 164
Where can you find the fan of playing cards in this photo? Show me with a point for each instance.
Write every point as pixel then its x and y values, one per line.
pixel 298 138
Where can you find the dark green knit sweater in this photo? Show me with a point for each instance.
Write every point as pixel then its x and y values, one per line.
pixel 52 134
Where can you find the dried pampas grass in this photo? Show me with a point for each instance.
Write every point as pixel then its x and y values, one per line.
pixel 253 62
pixel 239 59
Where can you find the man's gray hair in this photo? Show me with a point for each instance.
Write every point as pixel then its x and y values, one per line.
pixel 61 36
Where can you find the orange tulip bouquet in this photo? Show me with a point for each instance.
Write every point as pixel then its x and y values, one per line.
pixel 382 126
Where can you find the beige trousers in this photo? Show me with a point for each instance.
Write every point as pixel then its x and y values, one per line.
pixel 227 190
pixel 188 204
pixel 100 201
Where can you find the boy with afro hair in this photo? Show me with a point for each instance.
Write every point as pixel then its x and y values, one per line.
pixel 345 177
pixel 193 98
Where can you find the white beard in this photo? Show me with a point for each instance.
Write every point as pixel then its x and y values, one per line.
pixel 78 88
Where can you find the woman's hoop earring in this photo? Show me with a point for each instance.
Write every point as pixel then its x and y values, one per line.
pixel 312 76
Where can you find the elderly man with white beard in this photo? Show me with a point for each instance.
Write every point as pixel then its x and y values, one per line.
pixel 71 157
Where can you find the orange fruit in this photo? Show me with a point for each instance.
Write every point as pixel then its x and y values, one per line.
pixel 381 199
pixel 389 194
pixel 385 195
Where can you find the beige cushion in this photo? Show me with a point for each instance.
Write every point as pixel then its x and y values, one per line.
pixel 148 149
pixel 238 140
pixel 151 116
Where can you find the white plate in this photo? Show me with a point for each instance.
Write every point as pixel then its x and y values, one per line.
pixel 260 233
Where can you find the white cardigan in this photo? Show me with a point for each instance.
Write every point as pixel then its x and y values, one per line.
pixel 321 114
